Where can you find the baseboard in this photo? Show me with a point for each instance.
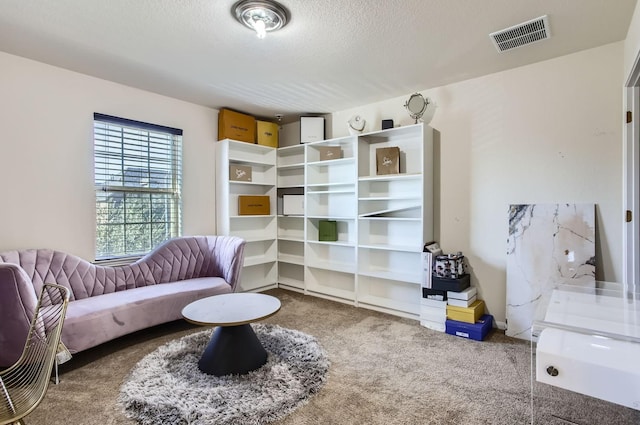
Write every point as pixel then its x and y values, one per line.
pixel 500 325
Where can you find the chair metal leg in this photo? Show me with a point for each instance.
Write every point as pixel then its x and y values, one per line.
pixel 55 366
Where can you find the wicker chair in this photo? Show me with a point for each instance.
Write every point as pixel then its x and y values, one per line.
pixel 23 385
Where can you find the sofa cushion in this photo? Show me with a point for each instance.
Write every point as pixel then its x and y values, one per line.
pixel 91 321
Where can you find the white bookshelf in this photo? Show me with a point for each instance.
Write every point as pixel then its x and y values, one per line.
pixel 331 194
pixel 382 220
pixel 290 179
pixel 260 231
pixel 395 219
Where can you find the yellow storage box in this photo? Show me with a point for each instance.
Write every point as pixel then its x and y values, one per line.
pixel 469 314
pixel 267 133
pixel 236 126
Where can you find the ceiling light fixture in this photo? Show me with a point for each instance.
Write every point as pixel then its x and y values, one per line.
pixel 262 16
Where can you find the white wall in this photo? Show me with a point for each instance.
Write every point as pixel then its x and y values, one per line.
pixel 46 153
pixel 632 43
pixel 544 133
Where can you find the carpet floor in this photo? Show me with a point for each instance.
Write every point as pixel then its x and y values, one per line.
pixel 167 386
pixel 384 370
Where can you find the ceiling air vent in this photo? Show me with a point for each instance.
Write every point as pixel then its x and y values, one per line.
pixel 521 34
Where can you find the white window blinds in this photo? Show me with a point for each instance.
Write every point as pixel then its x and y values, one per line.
pixel 138 180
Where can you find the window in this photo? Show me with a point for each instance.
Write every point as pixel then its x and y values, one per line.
pixel 138 179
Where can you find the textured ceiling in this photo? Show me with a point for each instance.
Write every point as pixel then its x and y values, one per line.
pixel 332 55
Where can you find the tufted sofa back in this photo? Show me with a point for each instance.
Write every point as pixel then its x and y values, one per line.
pixel 174 260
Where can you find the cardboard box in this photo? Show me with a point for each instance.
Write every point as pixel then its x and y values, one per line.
pixel 330 152
pixel 327 230
pixel 293 204
pixel 477 330
pixel 388 160
pixel 469 314
pixel 311 129
pixel 454 285
pixel 239 173
pixel 267 133
pixel 236 126
pixel 253 205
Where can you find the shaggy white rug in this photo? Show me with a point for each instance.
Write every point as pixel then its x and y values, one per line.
pixel 166 386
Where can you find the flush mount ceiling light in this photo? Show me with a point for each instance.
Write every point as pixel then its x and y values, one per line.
pixel 262 16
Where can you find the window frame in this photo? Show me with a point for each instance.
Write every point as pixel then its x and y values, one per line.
pixel 129 168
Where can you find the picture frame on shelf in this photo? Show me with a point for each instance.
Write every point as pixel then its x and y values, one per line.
pixel 240 173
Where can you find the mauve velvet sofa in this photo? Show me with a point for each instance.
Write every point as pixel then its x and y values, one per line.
pixel 107 302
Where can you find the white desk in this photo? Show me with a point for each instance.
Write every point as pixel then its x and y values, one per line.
pixel 589 342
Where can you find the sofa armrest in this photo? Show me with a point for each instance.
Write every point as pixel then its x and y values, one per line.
pixel 18 301
pixel 228 255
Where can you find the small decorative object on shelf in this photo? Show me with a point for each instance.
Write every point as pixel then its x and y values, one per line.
pixel 327 231
pixel 330 152
pixel 356 125
pixel 418 107
pixel 239 173
pixel 386 124
pixel 388 160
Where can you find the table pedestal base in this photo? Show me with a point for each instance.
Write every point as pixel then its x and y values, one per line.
pixel 232 350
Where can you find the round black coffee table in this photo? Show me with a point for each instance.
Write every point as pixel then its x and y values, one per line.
pixel 234 348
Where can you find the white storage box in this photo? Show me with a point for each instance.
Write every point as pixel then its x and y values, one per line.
pixel 433 314
pixel 293 204
pixel 436 326
pixel 467 294
pixel 311 129
pixel 461 303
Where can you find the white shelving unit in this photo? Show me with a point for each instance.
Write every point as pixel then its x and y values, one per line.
pixel 395 219
pixel 260 231
pixel 331 194
pixel 290 170
pixel 382 220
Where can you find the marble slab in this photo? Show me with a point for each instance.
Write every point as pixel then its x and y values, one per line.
pixel 548 245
